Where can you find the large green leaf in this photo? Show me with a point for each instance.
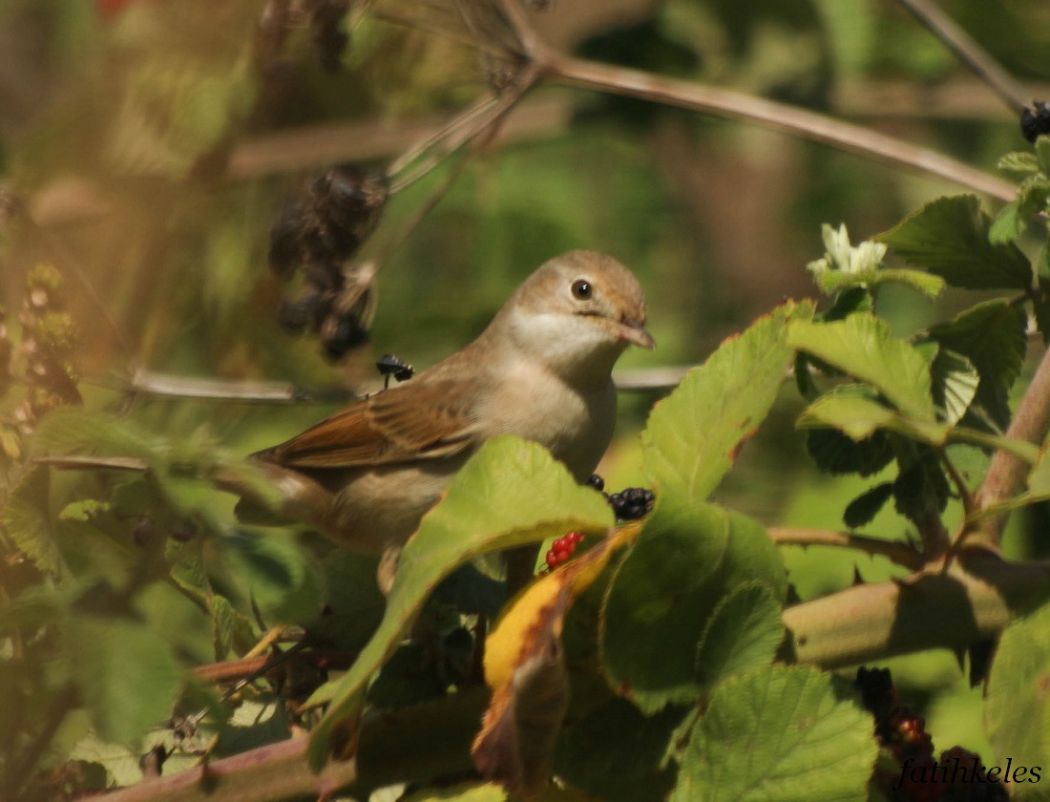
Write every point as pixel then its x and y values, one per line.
pixel 510 493
pixel 992 336
pixel 859 417
pixel 276 574
pixel 949 237
pixel 692 436
pixel 862 346
pixel 24 520
pixel 778 735
pixel 1017 707
pixel 126 675
pixel 742 634
pixel 687 559
pixel 616 753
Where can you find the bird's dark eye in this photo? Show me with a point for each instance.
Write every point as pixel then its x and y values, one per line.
pixel 581 289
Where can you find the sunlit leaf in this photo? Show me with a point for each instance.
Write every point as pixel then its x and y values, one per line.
pixel 778 735
pixel 692 436
pixel 1017 708
pixel 949 238
pixel 862 346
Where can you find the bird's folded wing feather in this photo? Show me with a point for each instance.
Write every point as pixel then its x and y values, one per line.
pixel 414 421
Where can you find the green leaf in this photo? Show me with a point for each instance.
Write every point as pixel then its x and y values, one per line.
pixel 862 346
pixel 742 634
pixel 276 574
pixel 1008 224
pixel 992 336
pixel 691 438
pixel 615 753
pixel 867 505
pixel 687 558
pixel 126 675
pixel 473 791
pixel 778 735
pixel 1032 197
pixel 510 493
pixel 1017 707
pixel 835 453
pixel 955 383
pixel 1019 161
pixel 949 238
pixel 859 417
pixel 69 430
pixel 24 520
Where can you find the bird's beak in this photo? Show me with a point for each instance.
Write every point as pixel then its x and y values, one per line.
pixel 634 332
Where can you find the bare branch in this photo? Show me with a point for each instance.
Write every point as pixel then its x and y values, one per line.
pixel 416 743
pixel 804 123
pixel 969 52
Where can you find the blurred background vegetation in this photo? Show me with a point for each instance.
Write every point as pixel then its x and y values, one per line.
pixel 146 146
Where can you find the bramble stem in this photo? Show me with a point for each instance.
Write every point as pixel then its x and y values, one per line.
pixel 896 551
pixel 1006 472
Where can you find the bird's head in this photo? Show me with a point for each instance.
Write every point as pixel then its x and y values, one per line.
pixel 578 312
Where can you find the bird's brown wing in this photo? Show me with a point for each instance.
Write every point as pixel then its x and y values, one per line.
pixel 414 421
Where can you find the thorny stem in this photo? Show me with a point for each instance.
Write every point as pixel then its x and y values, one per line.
pixel 1006 473
pixel 969 52
pixel 417 743
pixel 901 553
pixel 960 485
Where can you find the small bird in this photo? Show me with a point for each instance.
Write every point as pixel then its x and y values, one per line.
pixel 542 370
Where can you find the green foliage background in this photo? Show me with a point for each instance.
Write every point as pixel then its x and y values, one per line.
pixel 128 136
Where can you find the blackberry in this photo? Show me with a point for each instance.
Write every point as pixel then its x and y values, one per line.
pixel 1035 120
pixel 595 481
pixel 632 503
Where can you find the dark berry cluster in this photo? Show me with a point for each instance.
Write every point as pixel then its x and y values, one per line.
pixel 632 503
pixel 317 232
pixel 629 504
pixel 918 776
pixel 562 549
pixel 1035 121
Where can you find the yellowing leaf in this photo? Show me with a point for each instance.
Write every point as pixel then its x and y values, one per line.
pixel 524 665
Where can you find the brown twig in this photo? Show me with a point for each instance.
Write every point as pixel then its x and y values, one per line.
pixel 1006 473
pixel 416 743
pixel 780 116
pixel 899 552
pixel 969 52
